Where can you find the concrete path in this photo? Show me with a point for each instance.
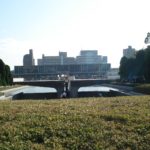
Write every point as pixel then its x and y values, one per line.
pixel 128 90
pixel 9 92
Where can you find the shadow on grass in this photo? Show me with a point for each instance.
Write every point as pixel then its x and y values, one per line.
pixel 117 119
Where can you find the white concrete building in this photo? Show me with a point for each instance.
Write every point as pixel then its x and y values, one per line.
pixel 62 59
pixel 90 57
pixel 129 52
pixel 113 74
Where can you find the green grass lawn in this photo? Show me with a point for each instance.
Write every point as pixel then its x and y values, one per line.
pixel 84 124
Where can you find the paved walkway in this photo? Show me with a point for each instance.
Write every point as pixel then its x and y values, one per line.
pixel 125 89
pixel 8 93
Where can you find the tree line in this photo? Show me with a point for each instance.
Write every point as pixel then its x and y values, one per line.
pixel 138 68
pixel 5 74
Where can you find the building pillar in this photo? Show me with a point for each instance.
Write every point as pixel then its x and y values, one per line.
pixel 59 91
pixel 74 92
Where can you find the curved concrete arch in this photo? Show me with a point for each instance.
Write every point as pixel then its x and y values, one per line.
pixel 76 84
pixel 56 84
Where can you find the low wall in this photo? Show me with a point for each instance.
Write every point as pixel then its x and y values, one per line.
pixel 22 96
pixel 111 93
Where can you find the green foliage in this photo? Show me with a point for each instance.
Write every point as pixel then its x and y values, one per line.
pixel 123 68
pixel 126 67
pixel 2 73
pixel 131 68
pixel 88 124
pixel 147 63
pixel 5 74
pixel 8 76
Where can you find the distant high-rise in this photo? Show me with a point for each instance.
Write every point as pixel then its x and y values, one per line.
pixel 129 52
pixel 85 57
pixel 87 65
pixel 28 59
pixel 62 59
pixel 90 57
pixel 104 59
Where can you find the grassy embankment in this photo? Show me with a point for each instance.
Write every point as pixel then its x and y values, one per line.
pixel 1 93
pixel 2 88
pixel 143 88
pixel 89 123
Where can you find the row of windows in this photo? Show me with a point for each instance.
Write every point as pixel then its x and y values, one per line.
pixel 62 68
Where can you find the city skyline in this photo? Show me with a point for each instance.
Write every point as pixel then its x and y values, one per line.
pixel 85 56
pixel 50 26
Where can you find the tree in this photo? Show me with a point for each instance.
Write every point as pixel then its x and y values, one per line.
pixel 131 68
pixel 140 60
pixel 147 64
pixel 2 72
pixel 123 68
pixel 136 68
pixel 8 76
pixel 5 74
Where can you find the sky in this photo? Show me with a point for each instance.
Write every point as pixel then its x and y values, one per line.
pixel 50 26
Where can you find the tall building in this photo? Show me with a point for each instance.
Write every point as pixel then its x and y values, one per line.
pixel 90 57
pixel 113 74
pixel 129 52
pixel 28 59
pixel 52 71
pixel 88 65
pixel 104 59
pixel 62 59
